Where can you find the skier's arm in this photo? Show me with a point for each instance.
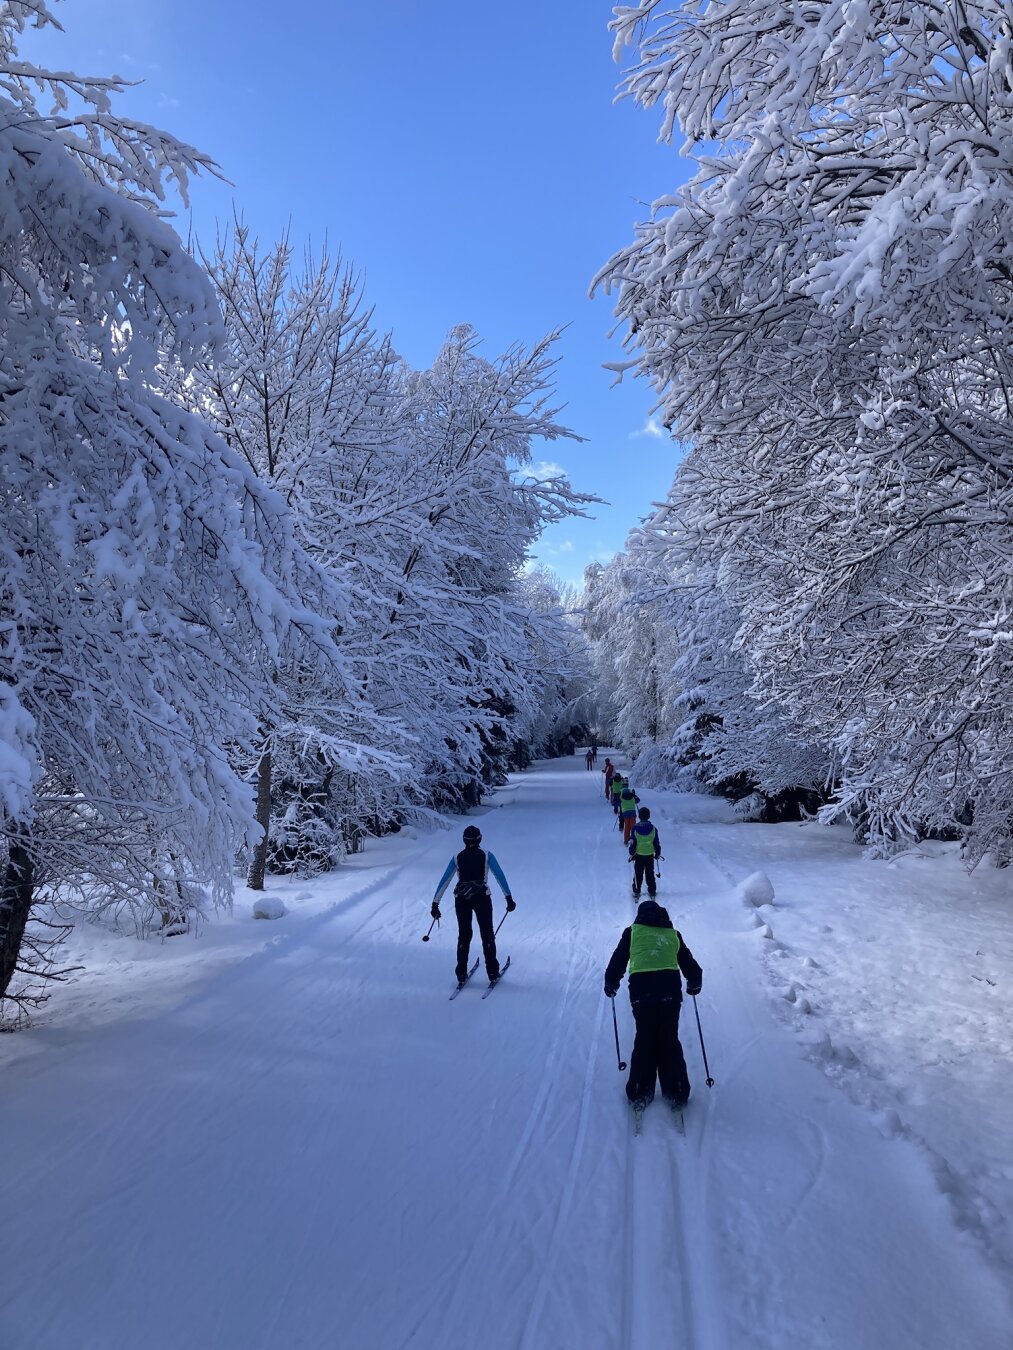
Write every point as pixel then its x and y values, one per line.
pixel 445 880
pixel 497 872
pixel 616 968
pixel 691 971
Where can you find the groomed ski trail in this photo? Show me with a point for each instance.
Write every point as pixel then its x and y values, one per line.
pixel 319 1148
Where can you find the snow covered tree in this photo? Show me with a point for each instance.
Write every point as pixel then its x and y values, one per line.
pixel 309 397
pixel 824 311
pixel 148 579
pixel 408 489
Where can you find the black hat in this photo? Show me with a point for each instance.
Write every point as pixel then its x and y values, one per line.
pixel 644 813
pixel 472 835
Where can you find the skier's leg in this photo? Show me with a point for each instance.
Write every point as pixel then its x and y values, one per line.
pixel 643 1060
pixel 486 927
pixel 652 885
pixel 638 874
pixel 462 908
pixel 671 1060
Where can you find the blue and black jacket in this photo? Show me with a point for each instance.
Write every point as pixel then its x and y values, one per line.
pixel 472 866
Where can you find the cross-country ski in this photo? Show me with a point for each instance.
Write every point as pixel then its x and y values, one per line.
pixel 493 983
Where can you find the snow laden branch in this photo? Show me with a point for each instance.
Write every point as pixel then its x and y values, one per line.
pixel 408 490
pixel 824 314
pixel 149 578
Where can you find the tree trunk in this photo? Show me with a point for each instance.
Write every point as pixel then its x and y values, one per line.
pixel 15 902
pixel 258 863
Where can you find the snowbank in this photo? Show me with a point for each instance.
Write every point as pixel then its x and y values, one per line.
pixel 269 907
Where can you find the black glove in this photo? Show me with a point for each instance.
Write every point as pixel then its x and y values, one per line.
pixel 435 911
pixel 511 904
pixel 611 990
pixel 693 989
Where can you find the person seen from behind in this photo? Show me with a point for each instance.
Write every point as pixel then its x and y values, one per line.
pixel 645 848
pixel 628 800
pixel 658 960
pixel 472 896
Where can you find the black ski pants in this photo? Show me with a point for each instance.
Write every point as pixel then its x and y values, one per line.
pixel 644 867
pixel 475 900
pixel 657 1053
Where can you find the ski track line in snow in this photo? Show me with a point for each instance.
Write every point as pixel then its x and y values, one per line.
pixel 537 1127
pixel 566 1200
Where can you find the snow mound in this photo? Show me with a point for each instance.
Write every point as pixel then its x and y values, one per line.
pixel 269 907
pixel 757 889
pixel 751 807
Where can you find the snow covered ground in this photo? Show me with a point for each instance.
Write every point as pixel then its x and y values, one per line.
pixel 284 1134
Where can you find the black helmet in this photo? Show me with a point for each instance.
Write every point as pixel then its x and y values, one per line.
pixel 644 813
pixel 472 835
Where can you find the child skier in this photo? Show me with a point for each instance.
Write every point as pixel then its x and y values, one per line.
pixel 628 800
pixel 655 953
pixel 472 895
pixel 645 847
pixel 618 783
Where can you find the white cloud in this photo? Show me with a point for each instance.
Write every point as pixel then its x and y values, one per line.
pixel 545 468
pixel 653 428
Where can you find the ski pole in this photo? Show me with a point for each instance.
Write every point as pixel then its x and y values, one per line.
pixel 425 936
pixel 501 923
pixel 703 1048
pixel 615 1028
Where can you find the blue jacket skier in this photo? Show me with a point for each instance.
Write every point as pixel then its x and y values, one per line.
pixel 472 896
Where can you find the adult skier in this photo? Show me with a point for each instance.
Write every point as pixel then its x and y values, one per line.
pixel 472 896
pixel 656 955
pixel 645 847
pixel 589 761
pixel 609 772
pixel 628 800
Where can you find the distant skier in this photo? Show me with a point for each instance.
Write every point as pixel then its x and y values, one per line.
pixel 628 801
pixel 594 752
pixel 645 847
pixel 655 953
pixel 618 783
pixel 472 896
pixel 589 760
pixel 609 772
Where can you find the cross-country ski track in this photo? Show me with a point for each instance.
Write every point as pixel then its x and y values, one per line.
pixel 316 1148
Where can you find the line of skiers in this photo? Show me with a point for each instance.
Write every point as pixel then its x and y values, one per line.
pixel 656 955
pixel 651 948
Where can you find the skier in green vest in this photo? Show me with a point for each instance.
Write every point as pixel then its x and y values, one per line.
pixel 618 783
pixel 645 847
pixel 628 800
pixel 656 955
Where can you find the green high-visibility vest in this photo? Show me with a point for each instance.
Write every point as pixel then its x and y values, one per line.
pixel 627 802
pixel 653 949
pixel 645 843
pixel 617 786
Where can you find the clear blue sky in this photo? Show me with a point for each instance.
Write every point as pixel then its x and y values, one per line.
pixel 467 157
